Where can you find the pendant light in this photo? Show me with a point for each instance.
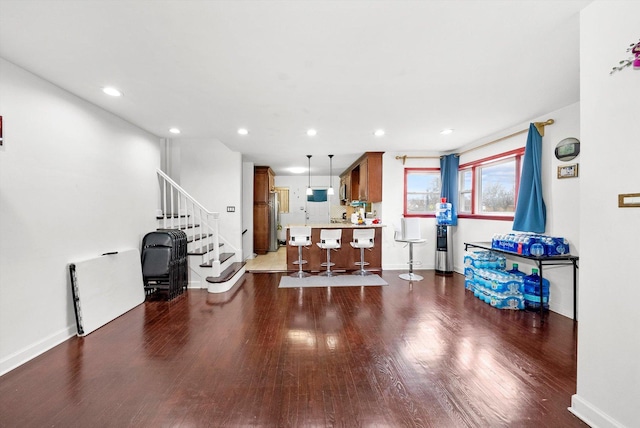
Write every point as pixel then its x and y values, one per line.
pixel 330 189
pixel 309 191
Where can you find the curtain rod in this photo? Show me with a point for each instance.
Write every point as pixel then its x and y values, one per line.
pixel 539 126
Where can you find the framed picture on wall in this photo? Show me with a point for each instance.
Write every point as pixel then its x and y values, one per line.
pixel 568 171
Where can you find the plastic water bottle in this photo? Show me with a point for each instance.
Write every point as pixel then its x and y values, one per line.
pixel 537 249
pixel 514 270
pixel 532 291
pixel 443 212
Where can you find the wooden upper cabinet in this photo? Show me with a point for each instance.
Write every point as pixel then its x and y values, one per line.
pixel 374 176
pixel 363 191
pixel 364 178
pixel 263 183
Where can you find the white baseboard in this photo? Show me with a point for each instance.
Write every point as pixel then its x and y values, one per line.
pixel 19 358
pixel 591 415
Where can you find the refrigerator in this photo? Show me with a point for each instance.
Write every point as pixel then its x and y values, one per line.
pixel 274 220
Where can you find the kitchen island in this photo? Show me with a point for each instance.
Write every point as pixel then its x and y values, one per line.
pixel 344 257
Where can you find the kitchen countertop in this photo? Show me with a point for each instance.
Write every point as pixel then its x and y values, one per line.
pixel 345 225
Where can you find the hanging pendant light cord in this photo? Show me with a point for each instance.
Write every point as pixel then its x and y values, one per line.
pixel 309 192
pixel 330 174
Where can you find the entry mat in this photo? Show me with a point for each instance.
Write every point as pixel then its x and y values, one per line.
pixel 332 281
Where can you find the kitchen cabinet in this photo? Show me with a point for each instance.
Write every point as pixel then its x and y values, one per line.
pixel 263 184
pixel 344 258
pixel 345 189
pixel 364 178
pixel 363 191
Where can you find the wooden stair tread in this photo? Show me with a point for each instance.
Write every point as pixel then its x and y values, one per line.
pixel 160 217
pixel 223 258
pixel 227 274
pixel 191 239
pixel 202 251
pixel 180 227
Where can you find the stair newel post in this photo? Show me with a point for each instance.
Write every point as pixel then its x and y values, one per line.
pixel 203 228
pixel 216 238
pixel 172 207
pixel 179 211
pixel 164 202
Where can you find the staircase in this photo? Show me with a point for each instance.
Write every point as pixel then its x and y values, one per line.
pixel 213 262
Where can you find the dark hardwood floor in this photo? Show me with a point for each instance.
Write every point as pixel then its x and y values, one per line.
pixel 426 354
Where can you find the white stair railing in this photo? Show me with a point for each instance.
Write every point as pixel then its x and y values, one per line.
pixel 178 207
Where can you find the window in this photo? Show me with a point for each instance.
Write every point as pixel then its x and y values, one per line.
pixel 422 191
pixel 283 199
pixel 465 188
pixel 488 187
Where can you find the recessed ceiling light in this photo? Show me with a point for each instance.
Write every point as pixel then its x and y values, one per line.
pixel 112 91
pixel 312 132
pixel 446 131
pixel 243 131
pixel 297 170
pixel 379 132
pixel 174 130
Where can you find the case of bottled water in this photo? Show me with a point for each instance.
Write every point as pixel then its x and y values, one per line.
pixel 484 259
pixel 486 278
pixel 507 301
pixel 530 244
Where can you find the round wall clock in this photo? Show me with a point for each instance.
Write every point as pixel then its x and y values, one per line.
pixel 567 149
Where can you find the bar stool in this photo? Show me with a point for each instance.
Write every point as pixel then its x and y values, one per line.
pixel 410 234
pixel 363 239
pixel 300 236
pixel 329 240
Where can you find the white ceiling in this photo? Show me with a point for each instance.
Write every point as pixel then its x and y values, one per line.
pixel 345 68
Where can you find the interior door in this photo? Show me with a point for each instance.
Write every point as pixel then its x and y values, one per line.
pixel 318 212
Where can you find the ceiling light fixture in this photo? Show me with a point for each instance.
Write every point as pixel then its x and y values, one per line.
pixel 446 131
pixel 243 131
pixel 379 132
pixel 112 91
pixel 330 189
pixel 309 191
pixel 174 130
pixel 312 132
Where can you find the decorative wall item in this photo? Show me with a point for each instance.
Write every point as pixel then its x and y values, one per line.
pixel 567 149
pixel 568 171
pixel 629 200
pixel 634 60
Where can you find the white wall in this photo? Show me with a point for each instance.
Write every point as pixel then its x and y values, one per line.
pixel 212 174
pixel 561 199
pixel 297 185
pixel 395 255
pixel 247 209
pixel 63 167
pixel 608 386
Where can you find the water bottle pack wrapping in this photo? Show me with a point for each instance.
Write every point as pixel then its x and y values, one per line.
pixel 529 244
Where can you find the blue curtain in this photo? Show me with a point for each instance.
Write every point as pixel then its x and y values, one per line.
pixel 531 213
pixel 449 183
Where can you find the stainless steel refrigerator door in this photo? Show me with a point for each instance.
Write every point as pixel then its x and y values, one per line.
pixel 273 222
